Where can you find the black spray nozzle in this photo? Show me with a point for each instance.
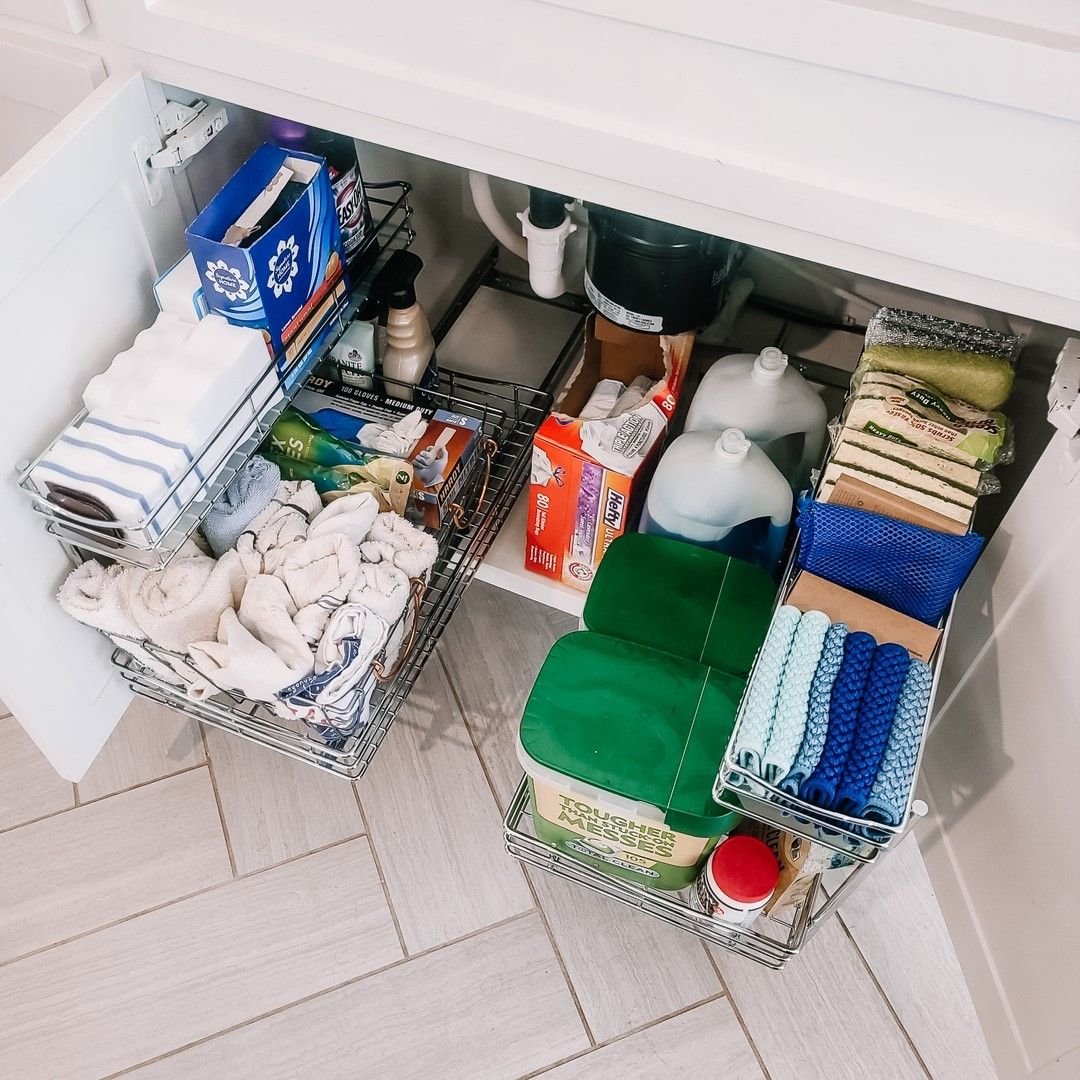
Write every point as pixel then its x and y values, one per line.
pixel 394 285
pixel 547 209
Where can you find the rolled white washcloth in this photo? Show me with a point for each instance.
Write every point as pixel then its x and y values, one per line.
pixel 268 612
pixel 393 539
pixel 351 515
pixel 183 603
pixel 99 597
pixel 398 439
pixel 263 545
pixel 319 574
pixel 382 588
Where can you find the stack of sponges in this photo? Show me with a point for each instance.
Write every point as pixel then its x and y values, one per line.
pixel 833 717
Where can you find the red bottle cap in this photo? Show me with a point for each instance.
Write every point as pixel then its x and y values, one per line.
pixel 744 868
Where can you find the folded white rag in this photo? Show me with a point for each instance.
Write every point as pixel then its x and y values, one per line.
pixel 265 542
pixel 397 439
pixel 351 515
pixel 319 574
pixel 183 603
pixel 268 611
pixel 99 597
pixel 382 588
pixel 394 540
pixel 235 661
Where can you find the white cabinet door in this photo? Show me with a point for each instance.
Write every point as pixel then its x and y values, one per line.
pixel 1001 770
pixel 81 245
pixel 70 15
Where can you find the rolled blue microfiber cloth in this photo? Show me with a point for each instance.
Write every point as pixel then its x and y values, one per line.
pixel 793 700
pixel 819 787
pixel 817 715
pixel 757 717
pixel 246 497
pixel 892 785
pixel 877 709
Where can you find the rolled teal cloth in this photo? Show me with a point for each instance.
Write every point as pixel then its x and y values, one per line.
pixel 889 795
pixel 819 787
pixel 817 718
pixel 793 700
pixel 757 717
pixel 877 710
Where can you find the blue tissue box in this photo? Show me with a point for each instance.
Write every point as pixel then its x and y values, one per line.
pixel 291 277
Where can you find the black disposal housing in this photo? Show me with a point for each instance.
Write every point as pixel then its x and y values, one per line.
pixel 649 275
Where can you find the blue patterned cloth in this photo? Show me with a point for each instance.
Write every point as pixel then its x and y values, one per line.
pixel 820 787
pixel 877 709
pixel 889 795
pixel 817 718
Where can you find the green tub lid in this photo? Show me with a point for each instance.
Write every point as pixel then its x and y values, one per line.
pixel 682 599
pixel 636 722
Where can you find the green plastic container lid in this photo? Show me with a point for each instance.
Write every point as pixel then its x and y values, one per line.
pixel 636 722
pixel 682 599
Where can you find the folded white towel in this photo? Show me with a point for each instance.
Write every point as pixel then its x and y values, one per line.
pixel 382 588
pixel 351 515
pixel 99 596
pixel 267 610
pixel 263 545
pixel 397 439
pixel 183 603
pixel 237 662
pixel 319 574
pixel 393 539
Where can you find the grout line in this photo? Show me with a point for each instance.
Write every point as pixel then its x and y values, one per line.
pixel 179 899
pixel 884 997
pixel 217 800
pixel 379 870
pixel 127 1069
pixel 735 1008
pixel 77 799
pixel 101 798
pixel 528 880
pixel 719 996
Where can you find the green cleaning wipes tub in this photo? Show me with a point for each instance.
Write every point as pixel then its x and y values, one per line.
pixel 621 745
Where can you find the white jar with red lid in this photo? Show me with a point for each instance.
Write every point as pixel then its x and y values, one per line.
pixel 737 880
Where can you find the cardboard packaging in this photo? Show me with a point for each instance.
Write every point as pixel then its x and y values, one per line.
pixel 851 491
pixel 444 454
pixel 812 593
pixel 290 278
pixel 589 476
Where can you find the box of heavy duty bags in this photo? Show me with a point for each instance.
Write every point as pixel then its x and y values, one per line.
pixel 268 250
pixel 593 456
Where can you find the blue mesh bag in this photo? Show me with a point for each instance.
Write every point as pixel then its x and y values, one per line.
pixel 906 567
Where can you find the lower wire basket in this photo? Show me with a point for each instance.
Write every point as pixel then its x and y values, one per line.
pixel 510 415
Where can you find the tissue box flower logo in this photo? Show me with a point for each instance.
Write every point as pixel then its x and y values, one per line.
pixel 227 280
pixel 283 267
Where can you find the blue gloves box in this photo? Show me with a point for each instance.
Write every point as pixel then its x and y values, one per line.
pixel 268 249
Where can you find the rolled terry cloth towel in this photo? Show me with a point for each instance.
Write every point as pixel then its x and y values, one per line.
pixel 267 611
pixel 877 709
pixel 892 785
pixel 819 787
pixel 319 574
pixel 338 693
pixel 393 539
pixel 793 700
pixel 246 497
pixel 263 544
pixel 99 597
pixel 237 662
pixel 351 515
pixel 183 603
pixel 381 588
pixel 757 716
pixel 397 439
pixel 817 717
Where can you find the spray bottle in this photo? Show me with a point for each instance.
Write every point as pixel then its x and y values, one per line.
pixel 409 357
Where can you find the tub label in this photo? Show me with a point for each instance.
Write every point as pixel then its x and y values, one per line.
pixel 634 320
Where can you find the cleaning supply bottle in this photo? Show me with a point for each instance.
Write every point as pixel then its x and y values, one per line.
pixel 295 435
pixel 409 357
pixel 771 403
pixel 719 490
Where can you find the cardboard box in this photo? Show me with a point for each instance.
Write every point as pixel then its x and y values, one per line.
pixel 291 277
pixel 812 593
pixel 444 456
pixel 851 491
pixel 589 477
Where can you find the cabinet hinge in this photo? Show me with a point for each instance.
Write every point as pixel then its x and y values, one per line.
pixel 185 130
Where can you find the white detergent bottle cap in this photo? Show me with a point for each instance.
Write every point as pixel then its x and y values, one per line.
pixel 732 447
pixel 769 367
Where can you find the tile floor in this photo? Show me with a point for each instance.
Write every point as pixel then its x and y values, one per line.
pixel 198 908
